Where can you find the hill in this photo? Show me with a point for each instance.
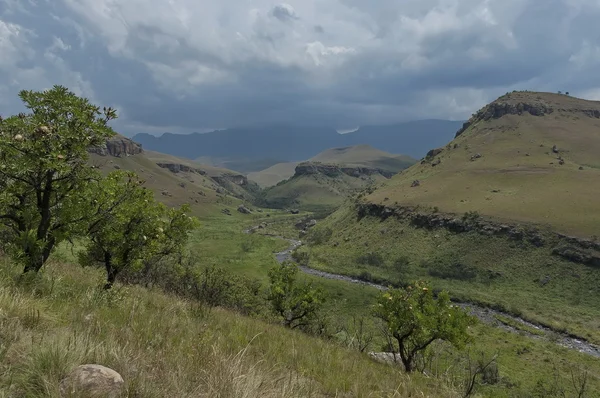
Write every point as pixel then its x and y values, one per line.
pixel 297 143
pixel 358 155
pixel 175 181
pixel 505 215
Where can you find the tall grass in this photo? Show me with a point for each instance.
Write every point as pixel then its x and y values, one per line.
pixel 164 346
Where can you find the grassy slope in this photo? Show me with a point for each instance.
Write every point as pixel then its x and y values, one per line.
pixel 358 155
pixel 65 319
pixel 364 155
pixel 136 339
pixel 220 241
pixel 274 174
pixel 197 190
pixel 318 191
pixel 531 189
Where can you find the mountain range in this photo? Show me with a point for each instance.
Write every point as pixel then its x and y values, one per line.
pixel 297 143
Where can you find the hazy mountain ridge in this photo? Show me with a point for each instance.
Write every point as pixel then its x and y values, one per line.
pixel 296 143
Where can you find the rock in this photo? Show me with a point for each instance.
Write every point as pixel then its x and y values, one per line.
pixel 166 193
pixel 434 152
pixel 561 162
pixel 244 210
pixel 116 166
pixel 436 162
pixel 118 146
pixel 580 167
pixel 415 183
pixel 92 381
pixel 555 149
pixel 545 280
pixel 476 156
pixel 182 184
pixel 295 211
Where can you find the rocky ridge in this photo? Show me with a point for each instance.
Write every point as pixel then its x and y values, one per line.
pixel 333 170
pixel 118 146
pixel 579 250
pixel 519 103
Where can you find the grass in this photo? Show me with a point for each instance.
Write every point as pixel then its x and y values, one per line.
pixel 63 318
pixel 518 177
pixel 518 325
pixel 488 270
pixel 357 156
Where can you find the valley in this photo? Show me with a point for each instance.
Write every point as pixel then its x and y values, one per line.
pixel 503 217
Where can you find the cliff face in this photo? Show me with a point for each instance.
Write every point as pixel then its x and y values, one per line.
pixel 583 251
pixel 224 178
pixel 332 170
pixel 535 104
pixel 118 146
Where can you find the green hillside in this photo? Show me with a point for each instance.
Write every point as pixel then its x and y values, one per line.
pixel 506 215
pixel 358 155
pixel 324 181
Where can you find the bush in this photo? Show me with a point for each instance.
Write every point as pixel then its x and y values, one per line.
pixel 449 269
pixel 372 259
pixel 301 257
pixel 320 235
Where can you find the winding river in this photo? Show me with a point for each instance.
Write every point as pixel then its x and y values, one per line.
pixel 485 314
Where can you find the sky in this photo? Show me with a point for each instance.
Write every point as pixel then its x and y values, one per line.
pixel 197 65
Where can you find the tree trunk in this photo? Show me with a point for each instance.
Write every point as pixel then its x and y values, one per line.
pixel 111 272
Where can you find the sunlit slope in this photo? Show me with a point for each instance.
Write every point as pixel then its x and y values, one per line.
pixel 528 157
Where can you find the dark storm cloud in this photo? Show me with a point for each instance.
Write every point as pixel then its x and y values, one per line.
pixel 183 66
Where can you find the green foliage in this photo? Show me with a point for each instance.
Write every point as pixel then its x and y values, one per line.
pixel 131 227
pixel 371 258
pixel 297 304
pixel 415 319
pixel 44 171
pixel 320 235
pixel 471 217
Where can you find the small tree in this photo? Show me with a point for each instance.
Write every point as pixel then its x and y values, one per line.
pixel 415 319
pixel 43 170
pixel 131 227
pixel 295 303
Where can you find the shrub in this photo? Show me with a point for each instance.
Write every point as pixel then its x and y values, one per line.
pixel 373 259
pixel 414 319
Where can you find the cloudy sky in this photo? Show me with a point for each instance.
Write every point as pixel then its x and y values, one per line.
pixel 192 65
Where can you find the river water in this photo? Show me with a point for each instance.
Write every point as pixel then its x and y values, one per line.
pixel 485 314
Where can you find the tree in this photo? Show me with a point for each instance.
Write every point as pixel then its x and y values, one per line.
pixel 415 319
pixel 295 303
pixel 130 226
pixel 44 170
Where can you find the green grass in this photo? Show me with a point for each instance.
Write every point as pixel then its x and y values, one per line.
pixel 164 346
pixel 199 352
pixel 494 271
pixel 517 162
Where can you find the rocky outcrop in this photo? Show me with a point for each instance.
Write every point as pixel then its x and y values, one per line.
pixel 583 251
pixel 92 381
pixel 176 168
pixel 535 106
pixel 244 210
pixel 236 179
pixel 333 170
pixel 222 179
pixel 118 146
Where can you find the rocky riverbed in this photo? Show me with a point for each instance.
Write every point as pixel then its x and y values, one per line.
pixel 487 315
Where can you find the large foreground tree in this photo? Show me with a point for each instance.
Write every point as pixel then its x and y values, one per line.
pixel 44 171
